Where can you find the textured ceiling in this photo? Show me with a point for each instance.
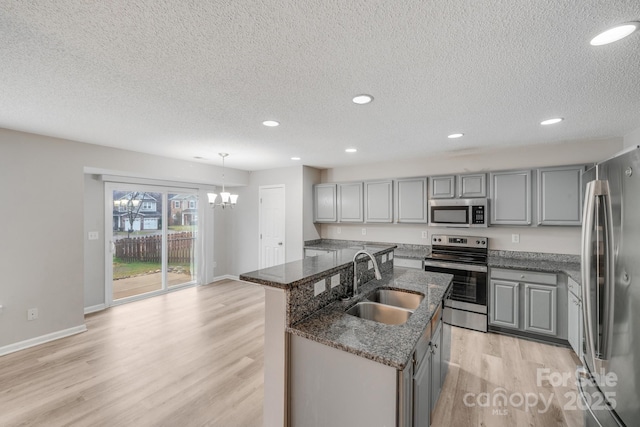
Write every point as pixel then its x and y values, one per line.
pixel 183 78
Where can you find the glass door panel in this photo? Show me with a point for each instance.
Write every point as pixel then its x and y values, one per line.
pixel 137 242
pixel 182 221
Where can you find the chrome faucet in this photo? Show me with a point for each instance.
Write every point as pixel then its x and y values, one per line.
pixel 355 268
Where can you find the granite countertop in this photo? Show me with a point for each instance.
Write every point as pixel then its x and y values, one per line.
pixel 411 253
pixel 291 274
pixel 568 264
pixel 401 251
pixel 391 345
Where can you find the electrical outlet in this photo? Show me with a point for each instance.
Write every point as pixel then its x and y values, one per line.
pixel 319 287
pixel 32 314
pixel 339 230
pixel 335 280
pixel 390 256
pixel 424 234
pixel 369 265
pixel 215 264
pixel 515 238
pixel 364 231
pixel 93 235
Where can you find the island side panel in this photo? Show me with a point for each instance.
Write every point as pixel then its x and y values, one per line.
pixel 330 387
pixel 275 357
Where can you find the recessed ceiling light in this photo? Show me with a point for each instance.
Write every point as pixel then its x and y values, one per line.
pixel 362 99
pixel 614 34
pixel 351 150
pixel 455 135
pixel 551 121
pixel 271 123
pixel 295 158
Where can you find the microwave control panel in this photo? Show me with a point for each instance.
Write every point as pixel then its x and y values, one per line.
pixel 478 215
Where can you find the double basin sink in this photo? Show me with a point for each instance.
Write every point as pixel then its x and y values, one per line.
pixel 389 306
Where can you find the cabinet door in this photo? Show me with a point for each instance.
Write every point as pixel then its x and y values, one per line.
pixel 411 200
pixel 504 304
pixel 575 324
pixel 443 187
pixel 378 201
pixel 560 195
pixel 421 392
pixel 325 198
pixel 436 366
pixel 474 185
pixel 540 308
pixel 350 206
pixel 511 198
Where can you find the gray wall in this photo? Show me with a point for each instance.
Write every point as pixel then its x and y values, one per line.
pixel 50 203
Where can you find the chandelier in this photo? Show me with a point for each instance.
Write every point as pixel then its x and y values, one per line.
pixel 227 199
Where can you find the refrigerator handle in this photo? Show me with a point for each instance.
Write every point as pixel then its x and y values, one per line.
pixel 600 346
pixel 588 217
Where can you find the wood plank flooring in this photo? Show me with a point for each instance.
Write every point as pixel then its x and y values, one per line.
pixel 194 357
pixel 188 358
pixel 485 366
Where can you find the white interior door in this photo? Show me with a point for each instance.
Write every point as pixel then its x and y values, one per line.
pixel 272 226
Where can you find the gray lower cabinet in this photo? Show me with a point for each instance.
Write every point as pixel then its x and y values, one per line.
pixel 325 203
pixel 350 202
pixel 511 198
pixel 428 380
pixel 504 304
pixel 526 301
pixel 540 309
pixel 411 200
pixel 378 201
pixel 560 195
pixel 574 318
pixel 436 367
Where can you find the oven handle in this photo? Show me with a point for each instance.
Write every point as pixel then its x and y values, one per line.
pixel 456 266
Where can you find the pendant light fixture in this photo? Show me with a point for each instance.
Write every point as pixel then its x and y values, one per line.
pixel 227 199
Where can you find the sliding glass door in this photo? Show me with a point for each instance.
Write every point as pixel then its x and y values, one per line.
pixel 153 240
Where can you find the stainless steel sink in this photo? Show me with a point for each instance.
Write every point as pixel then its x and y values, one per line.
pixel 396 298
pixel 380 313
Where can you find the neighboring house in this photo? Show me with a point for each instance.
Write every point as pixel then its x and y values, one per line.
pixel 183 209
pixel 147 217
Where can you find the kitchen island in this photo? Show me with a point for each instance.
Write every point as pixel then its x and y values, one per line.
pixel 305 316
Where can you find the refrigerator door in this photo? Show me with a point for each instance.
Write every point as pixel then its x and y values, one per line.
pixel 596 414
pixel 611 271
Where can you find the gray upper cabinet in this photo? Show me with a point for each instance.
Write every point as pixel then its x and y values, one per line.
pixel 350 203
pixel 325 199
pixel 378 201
pixel 411 200
pixel 560 195
pixel 472 185
pixel 511 197
pixel 443 187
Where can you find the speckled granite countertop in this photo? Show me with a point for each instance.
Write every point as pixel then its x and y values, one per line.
pixel 391 345
pixel 401 251
pixel 289 275
pixel 552 263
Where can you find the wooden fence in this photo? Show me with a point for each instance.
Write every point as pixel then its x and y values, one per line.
pixel 149 248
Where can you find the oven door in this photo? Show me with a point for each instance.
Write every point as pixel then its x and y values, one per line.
pixel 469 289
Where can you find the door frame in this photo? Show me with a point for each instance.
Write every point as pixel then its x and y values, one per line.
pixel 284 219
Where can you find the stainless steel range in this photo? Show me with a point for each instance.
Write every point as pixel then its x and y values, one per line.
pixel 466 258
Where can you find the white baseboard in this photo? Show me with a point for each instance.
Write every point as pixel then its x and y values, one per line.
pixel 94 308
pixel 225 277
pixel 12 348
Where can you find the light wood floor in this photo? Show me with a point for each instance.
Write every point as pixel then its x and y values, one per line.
pixel 195 358
pixel 189 358
pixel 496 364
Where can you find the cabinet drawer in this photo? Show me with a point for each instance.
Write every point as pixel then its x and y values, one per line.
pixel 524 276
pixel 407 263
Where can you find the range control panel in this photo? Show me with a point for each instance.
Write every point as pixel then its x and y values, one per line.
pixel 459 241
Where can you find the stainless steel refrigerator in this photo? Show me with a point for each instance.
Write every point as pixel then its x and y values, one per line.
pixel 610 383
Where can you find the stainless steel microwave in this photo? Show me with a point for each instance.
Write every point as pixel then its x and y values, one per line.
pixel 459 213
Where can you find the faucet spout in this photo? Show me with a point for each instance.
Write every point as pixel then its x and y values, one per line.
pixel 355 274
